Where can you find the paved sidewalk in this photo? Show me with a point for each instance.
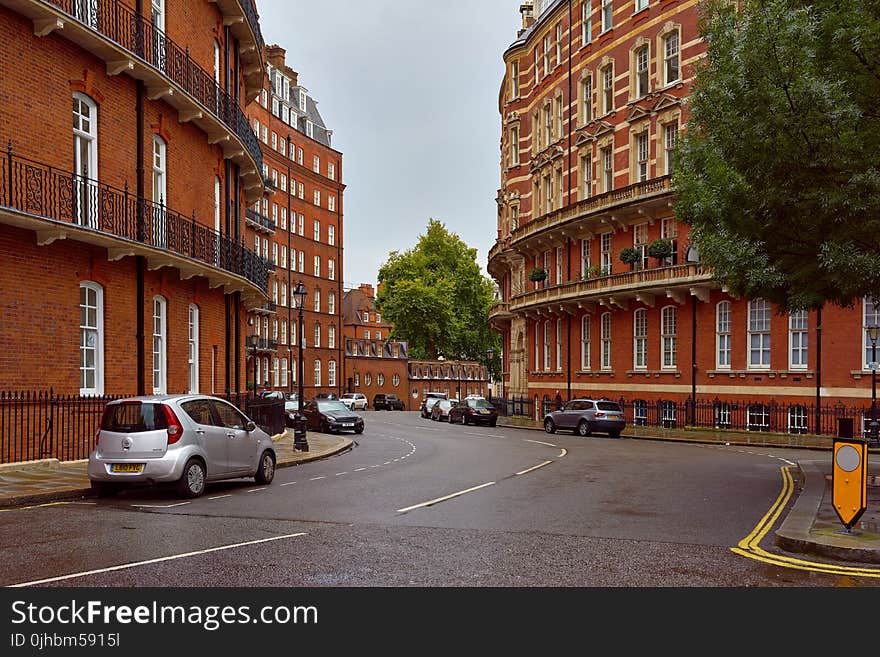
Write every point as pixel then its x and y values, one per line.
pixel 39 482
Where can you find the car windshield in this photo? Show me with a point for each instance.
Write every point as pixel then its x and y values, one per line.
pixel 608 406
pixel 133 417
pixel 291 406
pixel 481 403
pixel 325 405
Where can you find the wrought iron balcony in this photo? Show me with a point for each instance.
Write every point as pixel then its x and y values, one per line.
pixel 259 221
pixel 241 17
pixel 263 344
pixel 130 43
pixel 58 204
pixel 676 282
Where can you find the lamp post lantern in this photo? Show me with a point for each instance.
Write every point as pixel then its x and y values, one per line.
pixel 873 335
pixel 299 430
pixel 253 341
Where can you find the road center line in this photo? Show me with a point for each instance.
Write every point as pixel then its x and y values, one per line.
pixel 150 561
pixel 219 497
pixel 445 497
pixel 158 506
pixel 534 467
pixel 316 478
pixel 538 442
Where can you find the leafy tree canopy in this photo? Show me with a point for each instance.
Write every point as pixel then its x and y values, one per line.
pixel 778 171
pixel 437 298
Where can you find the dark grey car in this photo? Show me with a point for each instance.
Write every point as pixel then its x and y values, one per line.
pixel 586 416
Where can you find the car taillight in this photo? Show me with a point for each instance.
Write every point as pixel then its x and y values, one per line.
pixel 600 414
pixel 175 428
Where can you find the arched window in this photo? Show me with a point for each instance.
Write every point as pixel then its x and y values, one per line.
pixel 160 190
pixel 193 360
pixel 85 160
pixel 640 412
pixel 331 337
pixel 758 417
pixel 91 338
pixel 160 338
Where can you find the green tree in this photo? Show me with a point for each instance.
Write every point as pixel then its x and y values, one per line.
pixel 437 298
pixel 778 172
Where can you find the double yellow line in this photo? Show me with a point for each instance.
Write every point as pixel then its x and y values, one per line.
pixel 750 547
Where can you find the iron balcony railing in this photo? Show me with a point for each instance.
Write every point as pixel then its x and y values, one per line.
pixel 41 190
pixel 263 344
pixel 136 34
pixel 260 220
pixel 250 13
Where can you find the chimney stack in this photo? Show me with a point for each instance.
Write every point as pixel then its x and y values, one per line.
pixel 275 56
pixel 367 290
pixel 527 10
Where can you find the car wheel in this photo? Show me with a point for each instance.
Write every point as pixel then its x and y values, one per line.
pixel 266 470
pixel 492 424
pixel 360 430
pixel 192 481
pixel 584 428
pixel 104 488
pixel 549 426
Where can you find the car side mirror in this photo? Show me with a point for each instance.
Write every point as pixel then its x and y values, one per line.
pixel 251 426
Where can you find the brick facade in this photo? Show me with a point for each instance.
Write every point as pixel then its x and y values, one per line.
pixel 49 58
pixel 584 176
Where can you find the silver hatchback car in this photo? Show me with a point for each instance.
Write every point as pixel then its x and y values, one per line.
pixel 187 440
pixel 585 416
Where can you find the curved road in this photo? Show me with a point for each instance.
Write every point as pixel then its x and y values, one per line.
pixel 421 503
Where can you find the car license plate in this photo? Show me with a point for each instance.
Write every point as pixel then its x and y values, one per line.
pixel 484 411
pixel 135 468
pixel 348 424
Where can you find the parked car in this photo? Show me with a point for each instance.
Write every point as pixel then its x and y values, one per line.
pixel 271 394
pixel 388 402
pixel 185 440
pixel 474 410
pixel 332 416
pixel 440 410
pixel 356 401
pixel 586 416
pixel 427 405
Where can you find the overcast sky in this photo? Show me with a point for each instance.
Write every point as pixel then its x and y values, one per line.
pixel 410 91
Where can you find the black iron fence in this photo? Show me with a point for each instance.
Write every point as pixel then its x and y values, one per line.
pixel 779 417
pixel 45 191
pixel 137 34
pixel 42 424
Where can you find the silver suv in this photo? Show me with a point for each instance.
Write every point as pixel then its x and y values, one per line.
pixel 187 440
pixel 586 416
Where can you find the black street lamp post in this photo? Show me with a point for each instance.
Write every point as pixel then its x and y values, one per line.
pixel 299 430
pixel 489 353
pixel 254 340
pixel 873 335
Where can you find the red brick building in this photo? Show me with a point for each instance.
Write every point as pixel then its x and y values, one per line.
pixel 591 106
pixel 373 362
pixel 128 165
pixel 297 226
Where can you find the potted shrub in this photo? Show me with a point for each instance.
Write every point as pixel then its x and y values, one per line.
pixel 537 275
pixel 592 271
pixel 630 256
pixel 660 249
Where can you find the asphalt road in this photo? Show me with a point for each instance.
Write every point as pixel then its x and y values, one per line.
pixel 421 503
